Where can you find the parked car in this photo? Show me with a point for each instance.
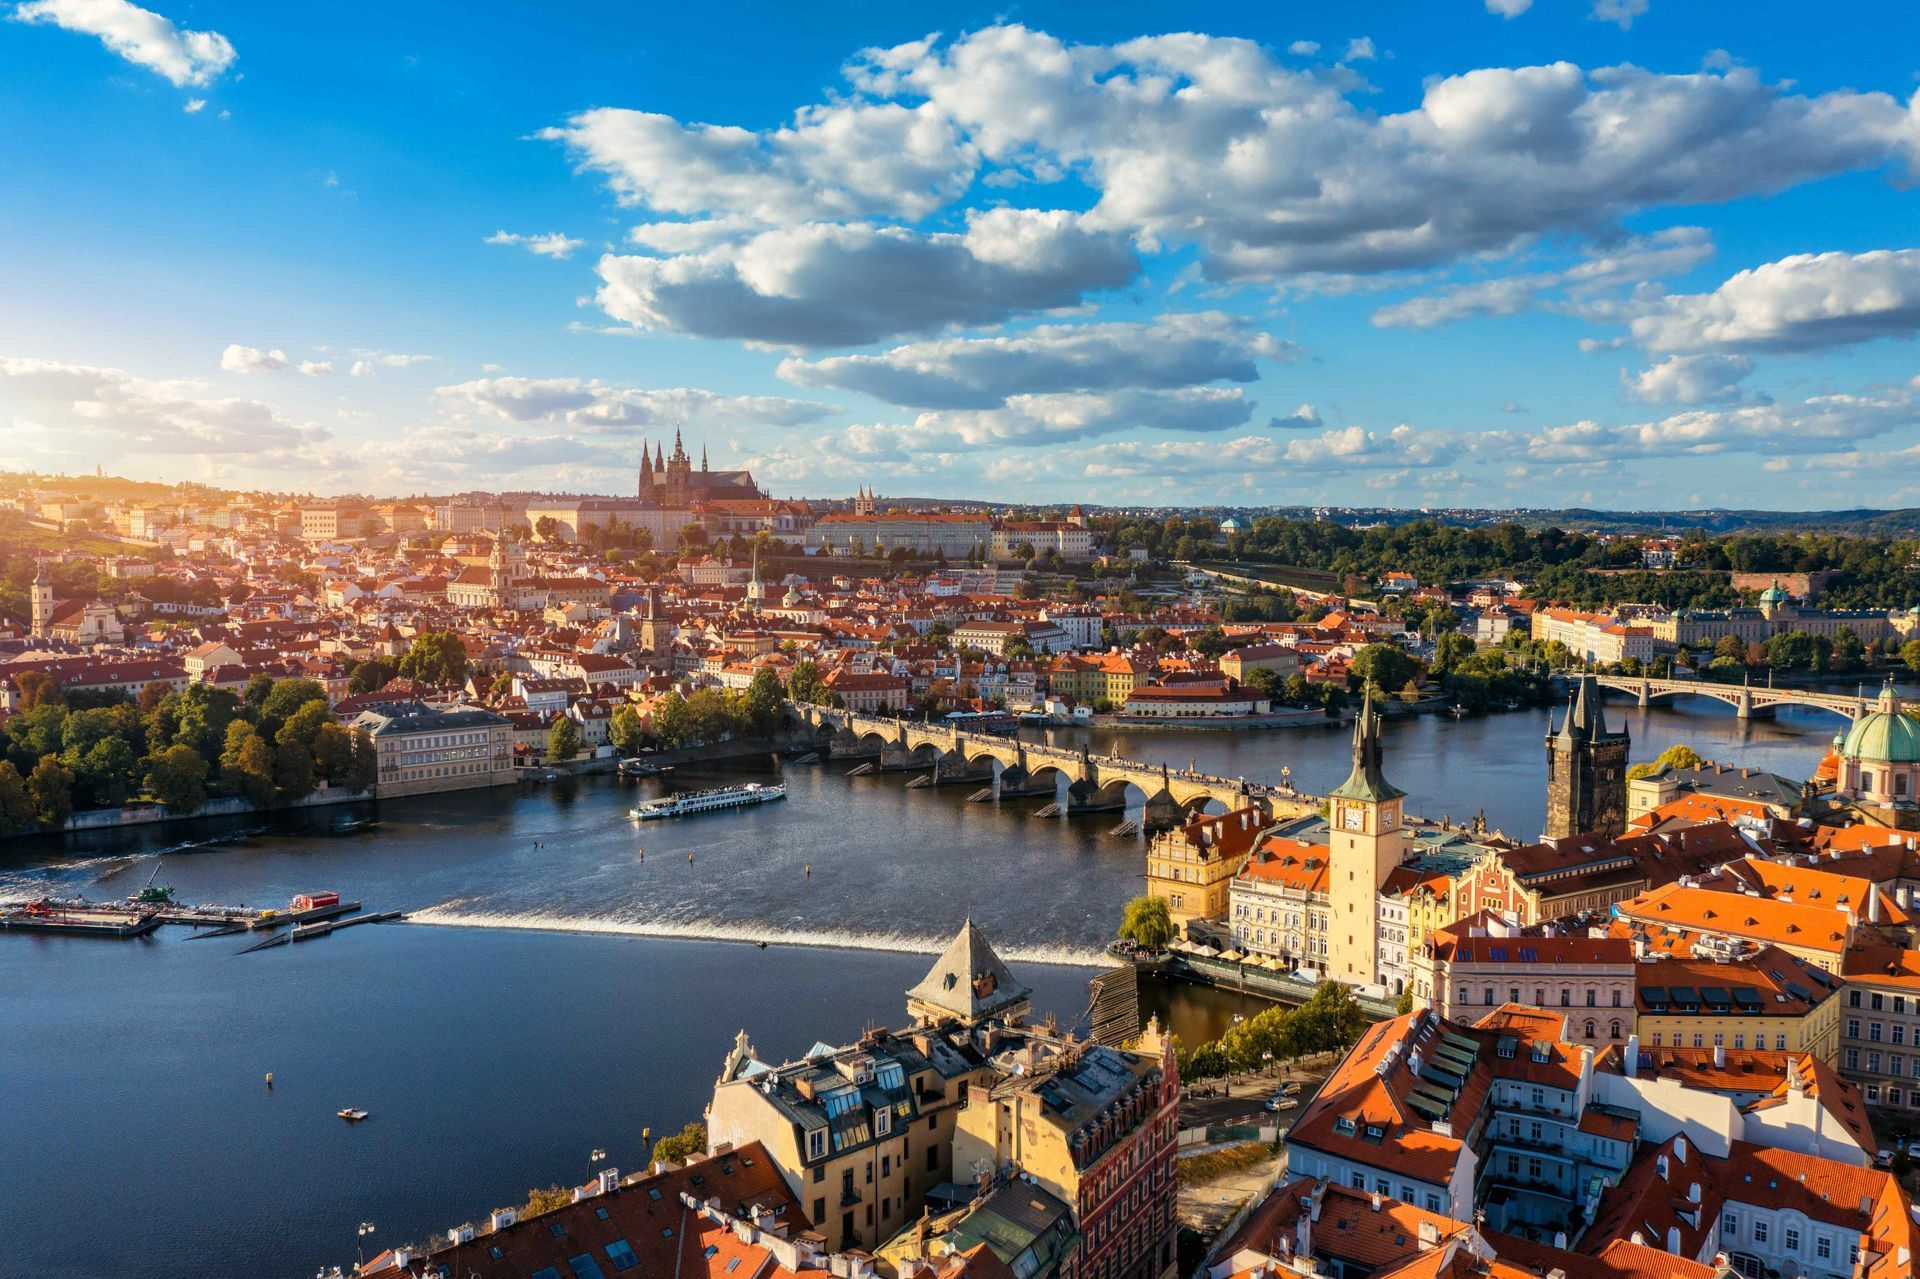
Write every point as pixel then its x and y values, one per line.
pixel 1278 1103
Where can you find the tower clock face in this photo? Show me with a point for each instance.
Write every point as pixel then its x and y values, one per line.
pixel 1353 819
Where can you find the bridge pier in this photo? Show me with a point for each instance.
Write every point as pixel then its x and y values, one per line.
pixel 848 745
pixel 1645 697
pixel 954 768
pixel 1163 814
pixel 1088 797
pixel 1017 783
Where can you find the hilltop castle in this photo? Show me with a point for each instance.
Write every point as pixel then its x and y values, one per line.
pixel 671 483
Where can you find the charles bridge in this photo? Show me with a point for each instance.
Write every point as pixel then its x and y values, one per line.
pixel 1016 769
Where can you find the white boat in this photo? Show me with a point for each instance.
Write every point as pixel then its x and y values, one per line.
pixel 353 1114
pixel 706 801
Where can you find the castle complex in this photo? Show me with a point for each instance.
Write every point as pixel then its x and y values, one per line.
pixel 671 483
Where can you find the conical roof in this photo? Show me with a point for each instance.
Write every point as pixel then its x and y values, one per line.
pixel 1367 781
pixel 969 980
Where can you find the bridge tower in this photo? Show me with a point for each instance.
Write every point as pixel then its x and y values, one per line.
pixel 1586 770
pixel 1367 840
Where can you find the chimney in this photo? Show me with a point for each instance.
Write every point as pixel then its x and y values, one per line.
pixel 1429 1235
pixel 1873 904
pixel 1661 1164
pixel 1680 1147
pixel 1693 1192
pixel 1376 1201
pixel 1719 1056
pixel 1630 1058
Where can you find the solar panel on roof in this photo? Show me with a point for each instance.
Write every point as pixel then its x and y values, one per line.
pixel 1795 989
pixel 1427 1107
pixel 1468 1046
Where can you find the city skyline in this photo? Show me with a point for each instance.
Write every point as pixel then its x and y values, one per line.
pixel 1614 254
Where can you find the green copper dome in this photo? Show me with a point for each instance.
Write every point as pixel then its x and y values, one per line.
pixel 1884 737
pixel 1773 595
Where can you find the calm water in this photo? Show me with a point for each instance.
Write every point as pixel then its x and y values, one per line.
pixel 575 990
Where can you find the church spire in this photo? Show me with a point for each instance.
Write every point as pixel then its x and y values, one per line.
pixel 1367 781
pixel 703 457
pixel 679 449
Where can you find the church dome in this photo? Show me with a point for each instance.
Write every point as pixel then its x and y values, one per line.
pixel 1773 595
pixel 1887 735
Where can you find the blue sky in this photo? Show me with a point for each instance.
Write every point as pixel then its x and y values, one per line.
pixel 1611 252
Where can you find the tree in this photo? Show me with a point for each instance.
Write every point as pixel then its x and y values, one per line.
pixel 366 763
pixel 370 676
pixel 37 688
pixel 258 688
pixel 333 753
pixel 689 1143
pixel 563 739
pixel 247 764
pixel 292 770
pixel 177 777
pixel 1385 667
pixel 1679 755
pixel 670 720
pixel 304 725
pixel 543 1201
pixel 548 528
pixel 761 706
pixel 805 685
pixel 437 657
pixel 1147 922
pixel 624 730
pixel 1910 654
pixel 50 787
pixel 1450 650
pixel 16 804
pixel 203 715
pixel 150 695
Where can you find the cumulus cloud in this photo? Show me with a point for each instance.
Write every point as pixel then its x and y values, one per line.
pixel 141 36
pixel 316 368
pixel 1304 418
pixel 105 408
pixel 1304 48
pixel 1673 251
pixel 1274 171
pixel 371 362
pixel 1170 351
pixel 1622 12
pixel 839 161
pixel 824 284
pixel 1691 379
pixel 1509 8
pixel 247 359
pixel 194 106
pixel 1807 302
pixel 591 404
pixel 1818 424
pixel 552 244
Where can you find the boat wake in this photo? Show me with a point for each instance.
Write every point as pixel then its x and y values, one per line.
pixel 450 915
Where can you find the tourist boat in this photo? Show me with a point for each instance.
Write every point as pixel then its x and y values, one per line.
pixel 706 801
pixel 353 1114
pixel 643 768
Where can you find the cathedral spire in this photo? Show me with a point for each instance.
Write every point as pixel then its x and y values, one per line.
pixel 1367 780
pixel 679 449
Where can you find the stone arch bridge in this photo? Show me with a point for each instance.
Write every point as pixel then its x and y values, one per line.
pixel 1028 770
pixel 1746 699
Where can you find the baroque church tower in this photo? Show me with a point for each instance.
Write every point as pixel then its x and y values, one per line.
pixel 1586 770
pixel 1366 841
pixel 42 603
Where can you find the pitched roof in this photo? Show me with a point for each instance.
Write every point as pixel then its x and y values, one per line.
pixel 969 980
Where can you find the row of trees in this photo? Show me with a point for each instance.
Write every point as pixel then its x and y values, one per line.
pixel 271 744
pixel 714 715
pixel 1330 1021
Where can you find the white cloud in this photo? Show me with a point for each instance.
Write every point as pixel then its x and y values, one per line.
pixel 113 413
pixel 1819 424
pixel 837 161
pixel 1806 302
pixel 822 284
pixel 1171 351
pixel 1509 8
pixel 194 106
pixel 316 368
pixel 1691 379
pixel 1304 418
pixel 593 405
pixel 1274 171
pixel 1359 49
pixel 1620 11
pixel 141 36
pixel 693 234
pixel 371 362
pixel 247 359
pixel 552 244
pixel 1673 251
pixel 1304 48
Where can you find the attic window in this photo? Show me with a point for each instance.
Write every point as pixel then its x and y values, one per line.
pixel 1344 1126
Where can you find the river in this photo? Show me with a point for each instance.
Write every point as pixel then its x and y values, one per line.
pixel 571 978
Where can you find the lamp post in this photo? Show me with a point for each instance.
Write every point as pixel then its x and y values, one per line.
pixel 361 1232
pixel 594 1160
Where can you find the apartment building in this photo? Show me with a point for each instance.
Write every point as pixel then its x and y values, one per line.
pixel 1488 960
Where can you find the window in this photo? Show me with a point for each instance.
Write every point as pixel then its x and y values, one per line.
pixel 1853 1059
pixel 1853 999
pixel 547 1273
pixel 1591 996
pixel 933 1158
pixel 883 1121
pixel 1873 1032
pixel 585 1267
pixel 817 1143
pixel 601 1213
pixel 1853 1028
pixel 1730 1224
pixel 1823 1248
pixel 1780 1043
pixel 819 1211
pixel 557 1229
pixel 1791 1237
pixel 1759 1230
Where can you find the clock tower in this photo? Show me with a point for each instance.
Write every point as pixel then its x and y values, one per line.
pixel 1366 842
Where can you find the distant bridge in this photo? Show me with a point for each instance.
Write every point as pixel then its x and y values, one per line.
pixel 1744 698
pixel 1028 770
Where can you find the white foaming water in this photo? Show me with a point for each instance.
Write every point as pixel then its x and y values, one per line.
pixel 448 915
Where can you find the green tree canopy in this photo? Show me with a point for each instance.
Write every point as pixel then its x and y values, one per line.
pixel 437 657
pixel 689 1143
pixel 1147 922
pixel 177 777
pixel 624 730
pixel 563 739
